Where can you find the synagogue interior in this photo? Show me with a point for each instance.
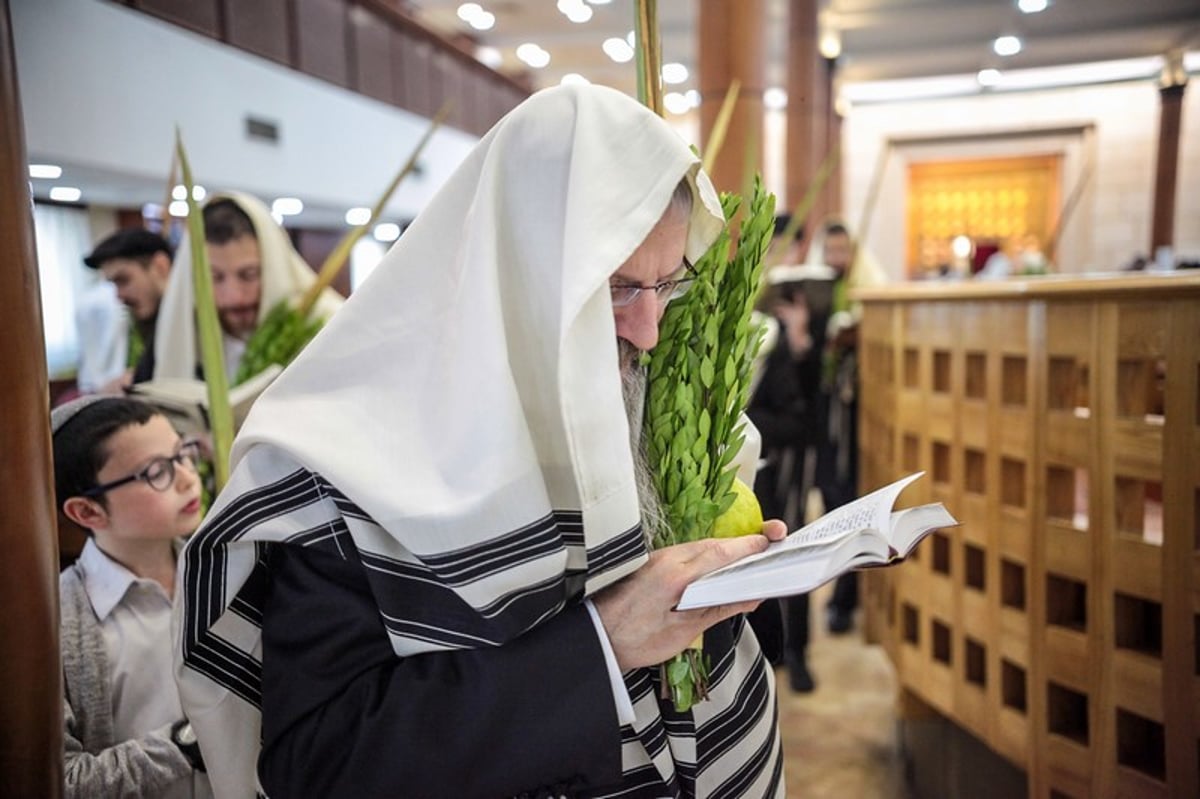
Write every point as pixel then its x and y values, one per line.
pixel 1015 317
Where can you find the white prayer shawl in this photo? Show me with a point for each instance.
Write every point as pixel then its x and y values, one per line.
pixel 464 411
pixel 865 272
pixel 285 275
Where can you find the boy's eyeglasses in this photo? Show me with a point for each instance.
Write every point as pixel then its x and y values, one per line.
pixel 624 294
pixel 159 474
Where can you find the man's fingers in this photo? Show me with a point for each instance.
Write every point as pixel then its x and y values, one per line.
pixel 713 553
pixel 774 529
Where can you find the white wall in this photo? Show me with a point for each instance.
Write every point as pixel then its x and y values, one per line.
pixel 1111 223
pixel 103 87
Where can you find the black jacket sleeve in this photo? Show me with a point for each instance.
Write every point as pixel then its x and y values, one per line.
pixel 344 716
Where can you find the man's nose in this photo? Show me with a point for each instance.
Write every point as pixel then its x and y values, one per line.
pixel 637 322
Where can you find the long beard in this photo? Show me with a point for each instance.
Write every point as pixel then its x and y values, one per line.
pixel 633 387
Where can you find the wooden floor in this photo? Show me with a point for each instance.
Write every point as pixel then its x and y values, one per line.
pixel 840 740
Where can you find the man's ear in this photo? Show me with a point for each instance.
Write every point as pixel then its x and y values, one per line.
pixel 87 513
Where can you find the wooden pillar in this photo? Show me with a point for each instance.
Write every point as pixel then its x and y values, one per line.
pixel 1162 230
pixel 731 48
pixel 31 745
pixel 833 138
pixel 806 128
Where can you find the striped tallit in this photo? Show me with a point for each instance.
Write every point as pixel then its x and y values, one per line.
pixel 459 428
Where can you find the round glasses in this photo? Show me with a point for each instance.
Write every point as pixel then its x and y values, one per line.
pixel 624 294
pixel 159 474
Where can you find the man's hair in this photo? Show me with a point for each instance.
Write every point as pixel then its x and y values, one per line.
pixel 136 244
pixel 81 444
pixel 836 229
pixel 681 200
pixel 781 223
pixel 224 221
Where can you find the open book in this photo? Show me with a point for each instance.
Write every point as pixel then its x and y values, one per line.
pixel 185 402
pixel 865 532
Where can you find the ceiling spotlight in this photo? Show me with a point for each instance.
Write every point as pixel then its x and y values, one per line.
pixel 386 231
pixel 631 39
pixel 575 10
pixel 45 171
pixel 199 193
pixel 488 56
pixel 533 55
pixel 599 2
pixel 775 98
pixel 1006 45
pixel 179 192
pixel 676 103
pixel 65 194
pixel 693 98
pixel 988 77
pixel 618 50
pixel 483 21
pixel 830 44
pixel 178 208
pixel 574 79
pixel 674 73
pixel 287 206
pixel 468 11
pixel 358 216
pixel 1032 6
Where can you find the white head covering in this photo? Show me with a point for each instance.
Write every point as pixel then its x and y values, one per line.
pixel 468 389
pixel 285 275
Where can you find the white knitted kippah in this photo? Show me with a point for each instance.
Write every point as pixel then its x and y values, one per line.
pixel 66 412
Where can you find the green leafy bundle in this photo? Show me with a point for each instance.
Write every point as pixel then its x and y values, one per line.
pixel 278 339
pixel 699 383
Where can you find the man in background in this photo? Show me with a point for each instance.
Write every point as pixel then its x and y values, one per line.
pixel 137 263
pixel 254 267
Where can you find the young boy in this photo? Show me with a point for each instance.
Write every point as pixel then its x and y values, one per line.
pixel 122 473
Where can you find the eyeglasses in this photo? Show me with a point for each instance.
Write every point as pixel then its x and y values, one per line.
pixel 624 294
pixel 159 474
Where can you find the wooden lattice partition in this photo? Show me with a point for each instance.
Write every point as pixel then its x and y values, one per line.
pixel 1059 420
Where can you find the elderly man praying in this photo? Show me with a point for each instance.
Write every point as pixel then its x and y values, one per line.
pixel 429 573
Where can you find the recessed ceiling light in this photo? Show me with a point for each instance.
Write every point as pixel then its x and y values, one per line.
pixel 599 2
pixel 489 56
pixel 775 98
pixel 575 10
pixel 533 55
pixel 468 11
pixel 179 192
pixel 693 98
pixel 1006 45
pixel 830 44
pixel 45 171
pixel 676 103
pixel 287 206
pixel 674 73
pixel 1032 6
pixel 386 231
pixel 65 194
pixel 618 50
pixel 574 79
pixel 988 77
pixel 358 216
pixel 178 208
pixel 199 193
pixel 483 21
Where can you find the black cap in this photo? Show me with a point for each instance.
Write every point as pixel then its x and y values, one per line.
pixel 128 243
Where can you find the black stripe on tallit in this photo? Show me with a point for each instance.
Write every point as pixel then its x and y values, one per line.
pixel 204 582
pixel 643 782
pixel 497 555
pixel 737 783
pixel 618 550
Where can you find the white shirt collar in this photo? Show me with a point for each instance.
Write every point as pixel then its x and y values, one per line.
pixel 105 581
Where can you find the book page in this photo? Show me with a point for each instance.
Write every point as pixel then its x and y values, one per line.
pixel 911 525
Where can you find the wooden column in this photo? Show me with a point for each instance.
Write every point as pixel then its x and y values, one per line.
pixel 832 195
pixel 31 746
pixel 1163 222
pixel 806 117
pixel 731 48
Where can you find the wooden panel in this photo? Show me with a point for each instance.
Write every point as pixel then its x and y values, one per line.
pixel 260 26
pixel 373 72
pixel 202 16
pixel 322 40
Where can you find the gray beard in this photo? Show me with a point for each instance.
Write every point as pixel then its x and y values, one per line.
pixel 633 387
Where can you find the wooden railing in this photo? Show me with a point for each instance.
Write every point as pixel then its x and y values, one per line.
pixel 1059 420
pixel 366 46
